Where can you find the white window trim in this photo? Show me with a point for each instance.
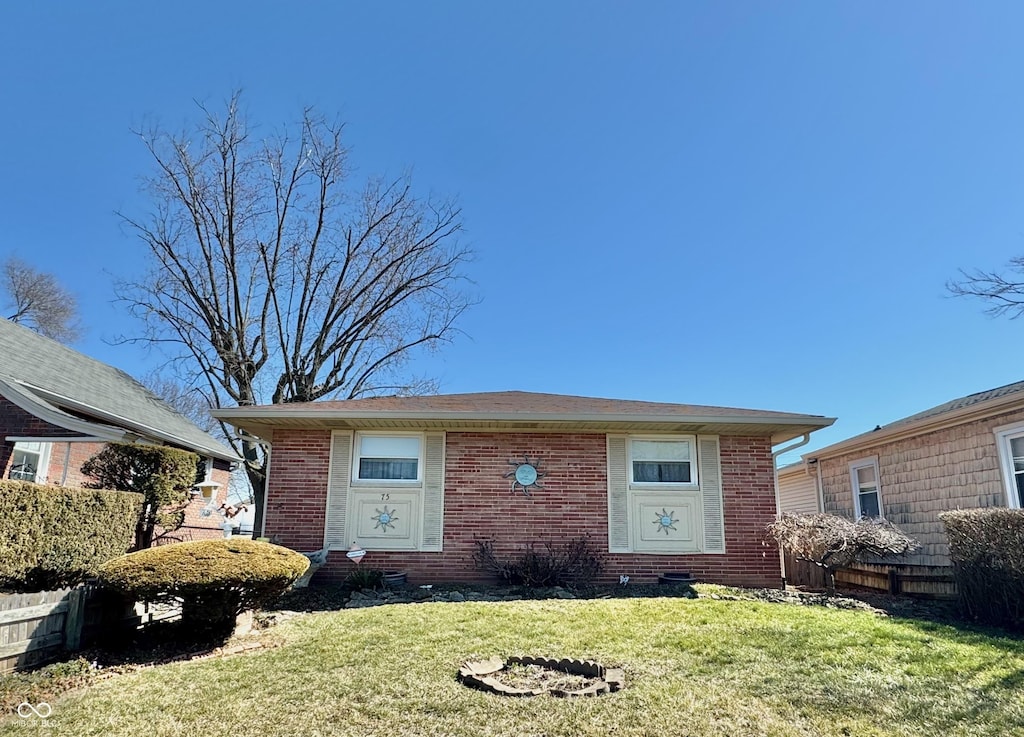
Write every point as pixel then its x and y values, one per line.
pixel 43 467
pixel 393 483
pixel 1004 434
pixel 855 486
pixel 694 482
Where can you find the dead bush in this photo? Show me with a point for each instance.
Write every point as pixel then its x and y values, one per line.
pixel 574 562
pixel 834 542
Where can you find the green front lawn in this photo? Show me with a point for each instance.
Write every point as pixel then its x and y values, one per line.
pixel 693 667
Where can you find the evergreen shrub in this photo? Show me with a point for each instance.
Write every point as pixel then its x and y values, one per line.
pixel 987 550
pixel 164 476
pixel 215 580
pixel 52 536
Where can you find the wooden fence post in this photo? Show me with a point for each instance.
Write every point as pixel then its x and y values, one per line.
pixel 74 617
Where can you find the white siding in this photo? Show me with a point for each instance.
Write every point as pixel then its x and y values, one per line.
pixel 798 493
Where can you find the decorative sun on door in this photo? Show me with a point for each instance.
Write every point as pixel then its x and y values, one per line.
pixel 385 519
pixel 525 474
pixel 665 520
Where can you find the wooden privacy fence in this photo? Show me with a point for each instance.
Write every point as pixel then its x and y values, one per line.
pixel 39 627
pixel 926 582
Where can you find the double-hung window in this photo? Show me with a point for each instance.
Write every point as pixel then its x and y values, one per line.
pixel 1010 442
pixel 385 491
pixel 867 495
pixel 29 462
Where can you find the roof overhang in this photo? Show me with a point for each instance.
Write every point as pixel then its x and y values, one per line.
pixel 262 422
pixel 902 431
pixel 105 427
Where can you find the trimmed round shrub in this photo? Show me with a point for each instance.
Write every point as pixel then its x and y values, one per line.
pixel 215 580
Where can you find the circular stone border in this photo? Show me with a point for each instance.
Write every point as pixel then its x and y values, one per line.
pixel 480 674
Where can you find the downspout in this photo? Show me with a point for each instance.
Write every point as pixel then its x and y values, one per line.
pixel 778 499
pixel 817 482
pixel 67 462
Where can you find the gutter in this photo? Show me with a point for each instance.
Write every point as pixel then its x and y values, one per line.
pixel 45 411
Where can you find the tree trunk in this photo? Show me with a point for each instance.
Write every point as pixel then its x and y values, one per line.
pixel 258 480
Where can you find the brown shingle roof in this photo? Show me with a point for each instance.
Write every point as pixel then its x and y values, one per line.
pixel 517 402
pixel 515 410
pixel 955 410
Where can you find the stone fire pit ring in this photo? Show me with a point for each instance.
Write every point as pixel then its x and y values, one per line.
pixel 484 675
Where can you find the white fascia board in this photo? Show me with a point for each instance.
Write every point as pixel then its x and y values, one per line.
pixel 598 418
pixel 48 439
pixel 38 407
pixel 952 418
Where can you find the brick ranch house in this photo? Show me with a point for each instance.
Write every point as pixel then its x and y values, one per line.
pixel 963 454
pixel 415 481
pixel 59 407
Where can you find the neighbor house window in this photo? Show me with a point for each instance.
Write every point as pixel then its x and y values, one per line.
pixel 29 462
pixel 867 496
pixel 387 457
pixel 662 461
pixel 1010 442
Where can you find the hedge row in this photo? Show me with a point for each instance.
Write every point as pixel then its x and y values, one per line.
pixel 987 550
pixel 52 536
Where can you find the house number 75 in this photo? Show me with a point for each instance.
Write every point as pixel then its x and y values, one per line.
pixel 385 497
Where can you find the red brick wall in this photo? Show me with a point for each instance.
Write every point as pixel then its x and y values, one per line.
pixel 297 501
pixel 16 422
pixel 478 503
pixel 71 455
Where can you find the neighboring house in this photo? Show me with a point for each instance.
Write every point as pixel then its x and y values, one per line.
pixel 963 454
pixel 416 481
pixel 59 407
pixel 798 490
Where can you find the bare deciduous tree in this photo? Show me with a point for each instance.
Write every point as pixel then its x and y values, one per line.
pixel 276 281
pixel 834 542
pixel 37 301
pixel 187 401
pixel 1005 294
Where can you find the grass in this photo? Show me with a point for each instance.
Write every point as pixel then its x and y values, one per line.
pixel 693 667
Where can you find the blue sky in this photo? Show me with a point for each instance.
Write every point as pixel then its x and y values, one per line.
pixel 742 204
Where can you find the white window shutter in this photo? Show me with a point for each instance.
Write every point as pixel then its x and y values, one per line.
pixel 433 493
pixel 335 533
pixel 711 493
pixel 618 495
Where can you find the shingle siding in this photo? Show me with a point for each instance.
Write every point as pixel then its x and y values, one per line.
pixel 952 468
